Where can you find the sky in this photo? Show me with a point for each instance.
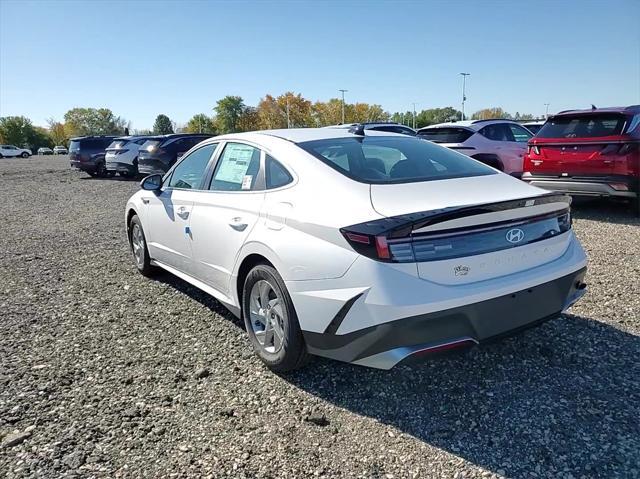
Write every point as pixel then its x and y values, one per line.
pixel 142 58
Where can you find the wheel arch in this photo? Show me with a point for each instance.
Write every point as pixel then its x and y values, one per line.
pixel 490 159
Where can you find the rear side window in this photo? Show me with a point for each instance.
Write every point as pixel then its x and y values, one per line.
pixel 189 173
pixel 237 168
pixel 497 132
pixel 277 175
pixel 397 159
pixel 446 135
pixel 583 126
pixel 520 134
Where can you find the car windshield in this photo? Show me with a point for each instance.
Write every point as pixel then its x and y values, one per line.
pixel 393 159
pixel 589 125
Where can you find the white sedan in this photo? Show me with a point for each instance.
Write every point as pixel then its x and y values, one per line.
pixel 356 245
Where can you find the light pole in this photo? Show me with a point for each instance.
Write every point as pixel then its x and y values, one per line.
pixel 546 111
pixel 414 116
pixel 464 97
pixel 343 104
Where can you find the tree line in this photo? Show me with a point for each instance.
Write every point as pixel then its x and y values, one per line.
pixel 229 115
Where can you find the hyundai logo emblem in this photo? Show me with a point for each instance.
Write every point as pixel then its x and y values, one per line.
pixel 515 235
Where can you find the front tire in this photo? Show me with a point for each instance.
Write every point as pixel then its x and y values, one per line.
pixel 271 320
pixel 24 154
pixel 138 243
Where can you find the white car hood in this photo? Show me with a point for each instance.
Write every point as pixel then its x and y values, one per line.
pixel 398 199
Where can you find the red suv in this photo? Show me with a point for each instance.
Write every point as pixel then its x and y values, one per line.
pixel 588 153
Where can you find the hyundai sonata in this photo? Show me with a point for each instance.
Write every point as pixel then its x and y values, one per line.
pixel 361 246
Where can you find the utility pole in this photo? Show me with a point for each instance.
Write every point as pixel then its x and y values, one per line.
pixel 414 116
pixel 343 104
pixel 546 112
pixel 464 96
pixel 288 119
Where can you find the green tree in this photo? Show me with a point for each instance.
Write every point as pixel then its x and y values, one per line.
pixel 162 125
pixel 57 132
pixel 19 131
pixel 228 112
pixel 328 113
pixel 288 110
pixel 200 123
pixel 15 130
pixel 93 121
pixel 249 119
pixel 489 113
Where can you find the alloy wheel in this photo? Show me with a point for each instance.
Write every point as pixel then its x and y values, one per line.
pixel 137 243
pixel 267 316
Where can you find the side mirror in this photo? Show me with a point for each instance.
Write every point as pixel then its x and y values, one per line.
pixel 151 183
pixel 179 155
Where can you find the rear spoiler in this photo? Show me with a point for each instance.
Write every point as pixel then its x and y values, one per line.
pixel 403 225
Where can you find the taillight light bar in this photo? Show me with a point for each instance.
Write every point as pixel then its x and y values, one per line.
pixel 405 246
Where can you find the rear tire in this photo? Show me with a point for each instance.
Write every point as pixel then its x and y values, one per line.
pixel 138 244
pixel 271 320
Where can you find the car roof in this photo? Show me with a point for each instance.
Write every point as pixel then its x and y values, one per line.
pixel 474 125
pixel 368 124
pixel 299 135
pixel 106 137
pixel 632 109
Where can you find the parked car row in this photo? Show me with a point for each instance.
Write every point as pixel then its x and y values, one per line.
pixel 594 152
pixel 104 156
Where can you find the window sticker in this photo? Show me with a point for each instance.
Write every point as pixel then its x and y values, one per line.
pixel 235 163
pixel 246 182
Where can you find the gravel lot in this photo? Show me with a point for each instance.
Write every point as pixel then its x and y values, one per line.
pixel 104 373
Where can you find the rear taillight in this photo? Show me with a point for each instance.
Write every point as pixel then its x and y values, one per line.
pixel 620 149
pixel 533 148
pixel 404 245
pixel 378 247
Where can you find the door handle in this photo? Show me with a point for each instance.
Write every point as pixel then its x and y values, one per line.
pixel 237 224
pixel 183 213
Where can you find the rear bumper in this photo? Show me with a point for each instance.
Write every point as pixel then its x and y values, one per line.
pixel 152 167
pixel 121 167
pixel 88 167
pixel 385 345
pixel 585 186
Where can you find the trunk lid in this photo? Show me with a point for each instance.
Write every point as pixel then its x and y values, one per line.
pixel 460 231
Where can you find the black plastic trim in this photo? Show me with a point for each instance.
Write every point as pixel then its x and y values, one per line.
pixel 340 315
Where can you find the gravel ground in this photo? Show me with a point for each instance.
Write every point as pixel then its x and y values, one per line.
pixel 105 373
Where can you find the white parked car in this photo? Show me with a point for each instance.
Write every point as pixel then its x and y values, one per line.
pixel 122 155
pixel 500 144
pixel 365 247
pixel 10 150
pixel 60 150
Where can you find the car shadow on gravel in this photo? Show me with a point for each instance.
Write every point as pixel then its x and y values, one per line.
pixel 609 211
pixel 556 399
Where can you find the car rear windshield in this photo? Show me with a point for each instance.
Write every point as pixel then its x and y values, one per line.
pixel 117 144
pixel 151 145
pixel 583 126
pixel 89 144
pixel 397 159
pixel 446 135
